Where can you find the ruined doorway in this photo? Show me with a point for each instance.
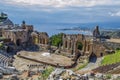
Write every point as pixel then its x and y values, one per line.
pixel 18 42
pixel 101 54
pixel 93 58
pixel 8 49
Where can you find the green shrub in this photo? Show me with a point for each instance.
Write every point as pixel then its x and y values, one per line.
pixel 80 45
pixel 56 40
pixel 108 76
pixel 47 72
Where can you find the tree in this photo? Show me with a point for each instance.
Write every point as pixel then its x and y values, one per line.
pixel 56 40
pixel 80 45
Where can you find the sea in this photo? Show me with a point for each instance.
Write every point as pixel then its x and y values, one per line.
pixel 74 28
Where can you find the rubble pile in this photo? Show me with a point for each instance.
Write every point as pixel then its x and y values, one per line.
pixel 63 74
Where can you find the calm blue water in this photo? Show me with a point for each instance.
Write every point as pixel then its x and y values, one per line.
pixel 53 28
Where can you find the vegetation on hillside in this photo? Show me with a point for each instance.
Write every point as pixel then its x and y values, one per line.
pixel 112 58
pixel 56 40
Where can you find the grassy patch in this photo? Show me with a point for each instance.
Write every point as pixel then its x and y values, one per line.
pixel 112 58
pixel 108 76
pixel 46 73
pixel 80 66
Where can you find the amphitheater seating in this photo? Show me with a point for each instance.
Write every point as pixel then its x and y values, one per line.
pixel 106 68
pixel 4 59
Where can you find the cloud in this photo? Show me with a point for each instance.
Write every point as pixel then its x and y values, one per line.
pixel 114 13
pixel 64 3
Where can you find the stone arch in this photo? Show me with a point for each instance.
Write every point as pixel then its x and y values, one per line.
pixel 18 42
pixel 92 58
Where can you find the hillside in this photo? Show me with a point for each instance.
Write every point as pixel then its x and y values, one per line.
pixel 112 58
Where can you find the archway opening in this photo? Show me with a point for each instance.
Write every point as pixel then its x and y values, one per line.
pixel 79 45
pixel 18 42
pixel 8 49
pixel 93 58
pixel 101 54
pixel 65 44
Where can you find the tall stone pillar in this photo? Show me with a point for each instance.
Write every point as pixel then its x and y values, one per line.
pixel 70 44
pixel 74 50
pixel 41 41
pixel 67 44
pixel 45 41
pixel 64 44
pixel 84 46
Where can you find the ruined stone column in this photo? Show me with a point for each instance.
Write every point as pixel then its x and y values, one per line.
pixel 84 46
pixel 45 41
pixel 72 47
pixel 70 44
pixel 67 44
pixel 74 50
pixel 87 47
pixel 41 41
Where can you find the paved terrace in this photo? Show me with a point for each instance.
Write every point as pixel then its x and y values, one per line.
pixel 114 40
pixel 52 59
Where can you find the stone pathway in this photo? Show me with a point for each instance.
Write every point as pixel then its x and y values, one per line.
pixel 91 66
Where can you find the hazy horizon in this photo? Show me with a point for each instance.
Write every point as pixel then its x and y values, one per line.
pixel 42 13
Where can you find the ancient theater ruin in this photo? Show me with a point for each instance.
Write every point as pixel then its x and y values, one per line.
pixel 83 45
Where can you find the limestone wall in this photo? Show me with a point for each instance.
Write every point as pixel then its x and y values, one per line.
pixel 70 45
pixel 14 35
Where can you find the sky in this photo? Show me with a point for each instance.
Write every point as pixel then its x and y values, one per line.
pixel 61 11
